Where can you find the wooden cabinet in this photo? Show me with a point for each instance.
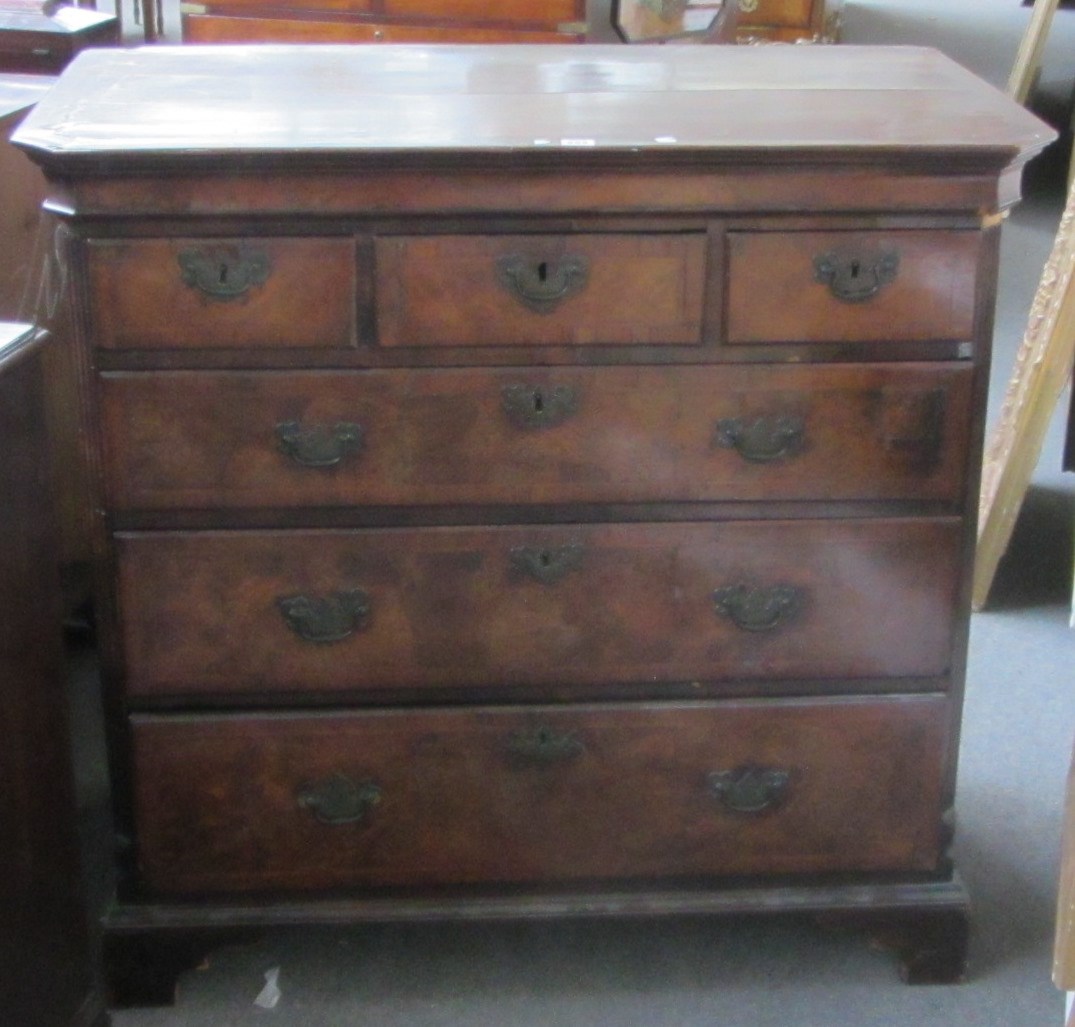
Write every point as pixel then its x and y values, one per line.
pixel 46 949
pixel 384 21
pixel 557 493
pixel 28 277
pixel 42 38
pixel 788 21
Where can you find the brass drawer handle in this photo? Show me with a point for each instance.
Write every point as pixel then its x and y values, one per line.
pixel 749 789
pixel 547 564
pixel 224 273
pixel 758 608
pixel 763 440
pixel 539 406
pixel 544 745
pixel 327 618
pixel 339 800
pixel 542 285
pixel 319 445
pixel 856 277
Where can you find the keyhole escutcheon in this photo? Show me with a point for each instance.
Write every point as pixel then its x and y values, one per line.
pixel 856 277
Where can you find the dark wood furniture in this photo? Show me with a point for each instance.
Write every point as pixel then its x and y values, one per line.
pixel 553 496
pixel 384 21
pixel 46 966
pixel 24 191
pixel 40 37
pixel 479 21
pixel 30 289
pixel 788 21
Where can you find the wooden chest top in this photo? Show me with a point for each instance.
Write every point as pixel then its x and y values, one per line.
pixel 128 109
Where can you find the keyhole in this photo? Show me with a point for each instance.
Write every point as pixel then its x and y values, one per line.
pixel 539 403
pixel 855 267
pixel 543 271
pixel 223 274
pixel 544 559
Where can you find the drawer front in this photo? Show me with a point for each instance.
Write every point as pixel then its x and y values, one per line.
pixel 212 293
pixel 212 28
pixel 783 13
pixel 241 803
pixel 203 440
pixel 851 286
pixel 561 608
pixel 527 290
pixel 534 11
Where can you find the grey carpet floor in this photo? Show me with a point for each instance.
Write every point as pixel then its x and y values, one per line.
pixel 1019 726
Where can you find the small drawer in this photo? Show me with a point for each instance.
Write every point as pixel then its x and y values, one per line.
pixel 540 290
pixel 205 440
pixel 243 803
pixel 897 286
pixel 208 293
pixel 555 608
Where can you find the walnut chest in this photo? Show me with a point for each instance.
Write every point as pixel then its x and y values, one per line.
pixel 533 479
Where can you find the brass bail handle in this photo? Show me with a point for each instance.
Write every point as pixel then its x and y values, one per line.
pixel 326 618
pixel 758 607
pixel 749 789
pixel 319 445
pixel 339 800
pixel 762 440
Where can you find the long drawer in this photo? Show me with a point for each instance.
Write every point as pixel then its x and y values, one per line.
pixel 559 607
pixel 207 440
pixel 340 800
pixel 306 26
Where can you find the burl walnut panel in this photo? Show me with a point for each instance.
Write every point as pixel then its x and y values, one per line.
pixel 207 293
pixel 540 289
pixel 851 286
pixel 205 440
pixel 559 607
pixel 350 800
pixel 219 28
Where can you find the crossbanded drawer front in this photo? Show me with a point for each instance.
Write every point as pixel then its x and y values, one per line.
pixel 213 28
pixel 481 10
pixel 527 290
pixel 207 440
pixel 561 607
pixel 897 286
pixel 212 293
pixel 433 11
pixel 242 803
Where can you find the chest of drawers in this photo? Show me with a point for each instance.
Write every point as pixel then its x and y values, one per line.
pixel 555 495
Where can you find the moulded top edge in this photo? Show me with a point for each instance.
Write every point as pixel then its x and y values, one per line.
pixel 244 101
